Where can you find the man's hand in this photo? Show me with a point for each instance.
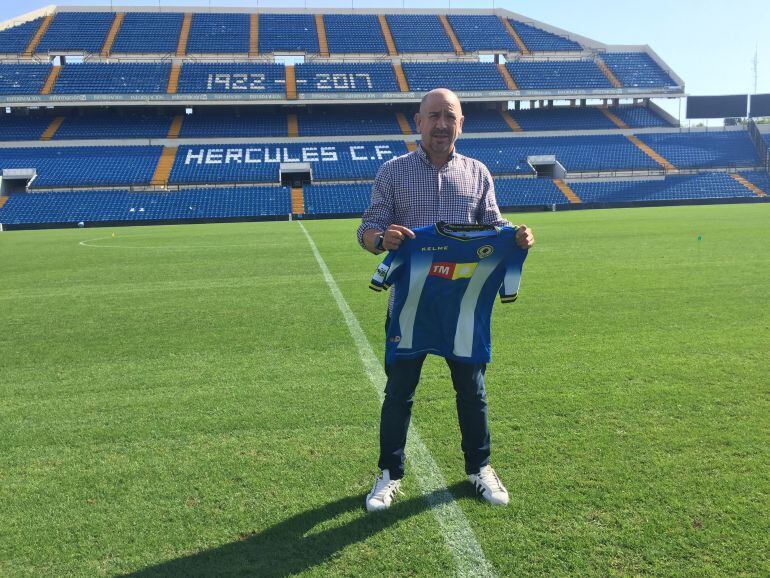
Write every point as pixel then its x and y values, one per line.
pixel 391 238
pixel 524 237
pixel 394 236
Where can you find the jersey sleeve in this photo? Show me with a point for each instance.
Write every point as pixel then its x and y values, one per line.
pixel 388 271
pixel 509 290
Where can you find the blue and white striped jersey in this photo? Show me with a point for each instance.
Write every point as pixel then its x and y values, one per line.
pixel 445 280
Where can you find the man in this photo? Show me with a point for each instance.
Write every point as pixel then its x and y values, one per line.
pixel 432 184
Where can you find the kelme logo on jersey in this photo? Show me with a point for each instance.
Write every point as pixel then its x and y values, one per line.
pixel 452 270
pixel 485 251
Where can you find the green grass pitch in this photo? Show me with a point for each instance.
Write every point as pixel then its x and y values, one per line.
pixel 187 400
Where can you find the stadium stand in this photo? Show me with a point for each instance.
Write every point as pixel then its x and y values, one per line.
pixel 112 125
pixel 342 123
pixel 111 206
pixel 348 160
pixel 287 33
pixel 295 114
pixel 354 33
pixel 340 199
pixel 482 33
pixel 15 40
pixel 231 77
pixel 508 156
pixel 422 33
pixel 704 149
pixel 84 166
pixel 259 163
pixel 482 121
pixel 120 78
pixel 316 122
pixel 457 76
pixel 538 40
pixel 576 74
pixel 639 117
pixel 17 127
pixel 143 32
pixel 523 192
pixel 637 69
pixel 84 31
pixel 562 118
pixel 700 186
pixel 23 78
pixel 760 179
pixel 252 123
pixel 346 77
pixel 218 33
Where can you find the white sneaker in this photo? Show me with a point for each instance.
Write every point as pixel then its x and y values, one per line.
pixel 382 493
pixel 489 486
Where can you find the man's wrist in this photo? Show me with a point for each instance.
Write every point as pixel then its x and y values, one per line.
pixel 378 241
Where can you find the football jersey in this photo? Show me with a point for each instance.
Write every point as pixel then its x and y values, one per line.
pixel 445 282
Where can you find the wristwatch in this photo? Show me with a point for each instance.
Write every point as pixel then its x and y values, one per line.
pixel 380 240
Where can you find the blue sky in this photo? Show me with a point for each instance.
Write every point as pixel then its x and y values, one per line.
pixel 709 43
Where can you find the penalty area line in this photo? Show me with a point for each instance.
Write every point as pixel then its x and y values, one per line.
pixel 458 536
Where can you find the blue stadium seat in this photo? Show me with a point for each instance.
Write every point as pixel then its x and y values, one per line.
pixel 418 33
pixel 576 74
pixel 538 40
pixel 699 186
pixel 637 70
pixel 116 205
pixel 343 199
pixel 148 32
pixel 639 117
pixel 760 179
pixel 346 77
pixel 508 156
pixel 218 34
pixel 17 127
pixel 458 76
pixel 23 78
pixel 15 40
pixel 501 156
pixel 529 191
pixel 288 33
pixel 259 123
pixel 339 122
pixel 483 121
pixel 562 118
pixel 704 149
pixel 354 33
pixel 482 33
pixel 120 78
pixel 260 163
pixel 84 31
pixel 114 125
pixel 232 78
pixel 85 166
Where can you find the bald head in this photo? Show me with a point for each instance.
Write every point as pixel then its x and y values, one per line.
pixel 441 95
pixel 440 122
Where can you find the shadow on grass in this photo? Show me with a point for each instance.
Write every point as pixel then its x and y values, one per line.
pixel 300 542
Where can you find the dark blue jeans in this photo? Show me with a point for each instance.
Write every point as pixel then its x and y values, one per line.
pixel 468 381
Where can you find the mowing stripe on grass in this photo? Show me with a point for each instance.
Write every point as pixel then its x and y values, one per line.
pixel 458 535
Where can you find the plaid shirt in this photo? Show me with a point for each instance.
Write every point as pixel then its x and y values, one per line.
pixel 410 191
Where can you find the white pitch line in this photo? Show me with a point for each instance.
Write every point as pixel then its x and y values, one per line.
pixel 458 535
